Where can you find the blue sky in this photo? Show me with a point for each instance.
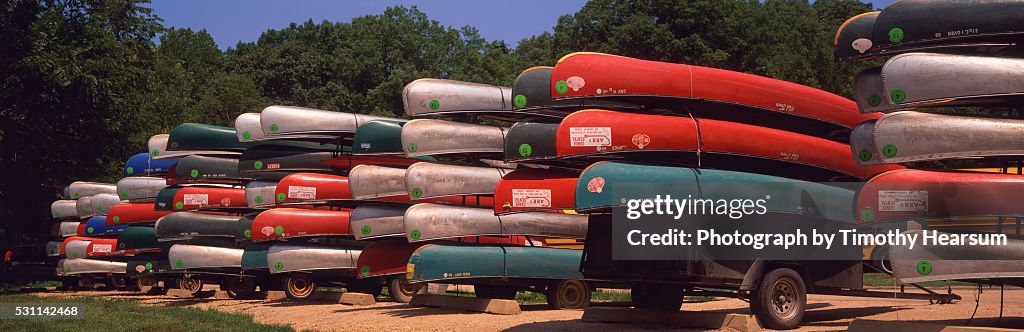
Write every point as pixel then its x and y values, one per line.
pixel 231 21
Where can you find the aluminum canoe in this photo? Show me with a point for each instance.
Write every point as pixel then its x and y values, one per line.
pixel 424 222
pixel 917 194
pixel 303 187
pixel 185 256
pixel 347 161
pixel 370 221
pixel 131 213
pixel 913 136
pixel 945 80
pixel 960 262
pixel 188 225
pixel 607 184
pixel 427 137
pixel 68 240
pixel 79 189
pixel 207 169
pixel 140 188
pixel 199 137
pixel 285 223
pixel 260 193
pixel 431 96
pixel 143 164
pixel 53 248
pixel 97 226
pixel 436 262
pixel 526 141
pixel 272 162
pixel 76 249
pixel 291 258
pixel 64 209
pixel 372 182
pixel 68 228
pixel 385 257
pixel 79 266
pixel 533 189
pixel 84 207
pixel 285 122
pixel 869 93
pixel 378 137
pixel 248 128
pixel 137 237
pixel 427 180
pixel 101 203
pixel 714 93
pixel 158 149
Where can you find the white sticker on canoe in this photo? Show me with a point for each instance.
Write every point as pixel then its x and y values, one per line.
pixel 102 248
pixel 590 136
pixel 197 199
pixel 301 192
pixel 902 200
pixel 531 198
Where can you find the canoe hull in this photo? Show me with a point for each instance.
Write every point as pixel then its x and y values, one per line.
pixel 384 258
pixel 64 209
pixel 428 180
pixel 915 194
pixel 80 266
pixel 535 190
pixel 425 137
pixel 79 189
pixel 454 262
pixel 371 221
pixel 188 225
pixel 288 223
pixel 140 189
pixel 130 213
pixel 428 96
pixel 184 256
pixel 283 258
pixel 298 187
pixel 913 136
pixel 424 222
pixel 940 263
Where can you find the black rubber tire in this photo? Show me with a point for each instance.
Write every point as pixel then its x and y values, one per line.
pixel 780 300
pixel 495 292
pixel 657 296
pixel 240 287
pixel 569 294
pixel 401 291
pixel 299 286
pixel 68 284
pixel 365 286
pixel 192 285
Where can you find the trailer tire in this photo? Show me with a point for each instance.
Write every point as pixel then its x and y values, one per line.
pixel 494 292
pixel 192 285
pixel 658 296
pixel 402 291
pixel 299 286
pixel 569 294
pixel 241 288
pixel 780 300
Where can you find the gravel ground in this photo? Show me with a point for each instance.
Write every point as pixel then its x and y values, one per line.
pixel 826 313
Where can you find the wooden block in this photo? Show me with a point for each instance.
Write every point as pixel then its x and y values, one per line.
pixel 912 326
pixel 332 297
pixel 276 296
pixel 491 306
pixel 357 299
pixel 675 319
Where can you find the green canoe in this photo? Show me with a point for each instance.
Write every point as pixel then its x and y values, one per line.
pixel 255 257
pixel 439 262
pixel 195 136
pixel 207 169
pixel 378 137
pixel 137 237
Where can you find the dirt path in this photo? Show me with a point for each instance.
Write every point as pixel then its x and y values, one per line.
pixel 826 313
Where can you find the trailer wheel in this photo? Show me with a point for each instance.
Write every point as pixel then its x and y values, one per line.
pixel 150 286
pixel 494 292
pixel 68 284
pixel 657 296
pixel 241 288
pixel 299 286
pixel 192 285
pixel 780 300
pixel 402 291
pixel 569 294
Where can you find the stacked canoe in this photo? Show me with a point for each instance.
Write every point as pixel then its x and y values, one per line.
pixel 951 91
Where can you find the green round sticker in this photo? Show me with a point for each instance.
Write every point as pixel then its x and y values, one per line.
pixel 279 266
pixel 525 150
pixel 87 211
pixel 415 234
pixel 129 170
pixel 117 219
pixel 412 147
pixel 257 164
pixel 194 172
pixel 274 127
pixel 416 192
pixel 74 255
pixel 124 195
pixel 89 230
pixel 155 153
pixel 864 155
pixel 561 87
pixel 246 135
pixel 889 150
pixel 99 209
pixel 56 214
pixel 895 35
pixel 874 100
pixel 280 197
pixel 898 95
pixel 434 104
pixel 365 229
pixel 259 199
pixel 867 214
pixel 278 230
pixel 179 263
pixel 76 195
pixel 924 267
pixel 67 269
pixel 247 233
pixel 364 270
pixel 519 101
pixel 149 266
pixel 179 205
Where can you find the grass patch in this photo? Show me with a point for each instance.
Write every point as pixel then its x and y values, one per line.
pixel 876 279
pixel 127 315
pixel 14 287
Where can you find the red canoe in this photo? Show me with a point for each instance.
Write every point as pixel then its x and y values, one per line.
pixel 100 247
pixel 385 257
pixel 347 161
pixel 299 187
pixel 75 238
pixel 196 197
pixel 129 213
pixel 534 189
pixel 591 75
pixel 915 194
pixel 722 144
pixel 289 222
pixel 81 229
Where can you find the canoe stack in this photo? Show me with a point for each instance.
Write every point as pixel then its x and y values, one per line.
pixel 952 90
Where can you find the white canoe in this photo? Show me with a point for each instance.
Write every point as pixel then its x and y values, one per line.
pixel 283 122
pixel 370 221
pixel 78 266
pixel 369 181
pixel 80 189
pixel 428 180
pixel 427 137
pixel 140 188
pixel 290 258
pixel 248 128
pixel 186 256
pixel 64 209
pixel 428 96
pixel 424 222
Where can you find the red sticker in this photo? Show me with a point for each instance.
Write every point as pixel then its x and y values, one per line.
pixel 596 185
pixel 641 140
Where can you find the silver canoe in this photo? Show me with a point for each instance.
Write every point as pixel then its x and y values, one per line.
pixel 868 92
pixel 76 266
pixel 140 188
pixel 248 128
pixel 927 79
pixel 84 207
pixel 424 222
pixel 64 209
pixel 260 193
pixel 81 189
pixel 862 144
pixel 291 258
pixel 913 136
pixel 69 228
pixel 53 248
pixel 937 262
pixel 371 221
pixel 428 180
pixel 369 181
pixel 426 137
pixel 76 249
pixel 187 256
pixel 428 96
pixel 285 122
pixel 102 203
pixel 158 149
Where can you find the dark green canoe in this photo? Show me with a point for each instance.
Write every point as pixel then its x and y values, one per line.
pixel 243 228
pixel 165 198
pixel 255 257
pixel 195 136
pixel 530 141
pixel 440 262
pixel 207 169
pixel 181 226
pixel 378 137
pixel 137 237
pixel 274 161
